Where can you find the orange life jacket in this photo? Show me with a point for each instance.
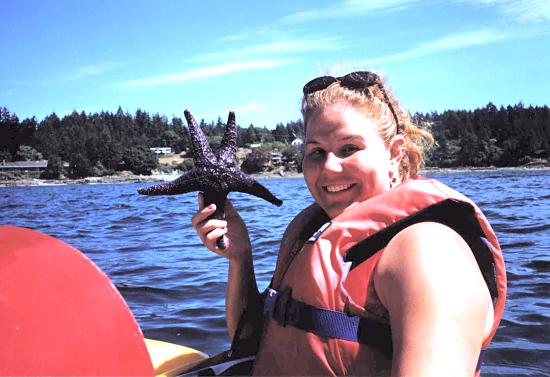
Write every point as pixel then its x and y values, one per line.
pixel 320 277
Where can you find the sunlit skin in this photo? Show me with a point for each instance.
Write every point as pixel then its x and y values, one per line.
pixel 346 161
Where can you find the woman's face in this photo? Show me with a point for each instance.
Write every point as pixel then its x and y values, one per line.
pixel 346 160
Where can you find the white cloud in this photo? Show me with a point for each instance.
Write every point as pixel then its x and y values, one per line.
pixel 249 107
pixel 276 47
pixel 518 11
pixel 262 33
pixel 81 73
pixel 450 42
pixel 89 71
pixel 347 9
pixel 204 72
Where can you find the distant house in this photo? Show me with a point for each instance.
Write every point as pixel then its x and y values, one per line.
pixel 276 158
pixel 26 166
pixel 161 150
pixel 39 165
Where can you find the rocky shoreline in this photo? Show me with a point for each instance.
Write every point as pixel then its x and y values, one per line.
pixel 127 177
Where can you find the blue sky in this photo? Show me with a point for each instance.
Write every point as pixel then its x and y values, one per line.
pixel 253 57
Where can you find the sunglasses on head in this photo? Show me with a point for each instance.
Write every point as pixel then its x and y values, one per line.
pixel 359 81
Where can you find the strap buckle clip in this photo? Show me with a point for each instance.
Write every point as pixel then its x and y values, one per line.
pixel 278 305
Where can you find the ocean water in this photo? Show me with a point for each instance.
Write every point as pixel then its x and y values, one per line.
pixel 175 287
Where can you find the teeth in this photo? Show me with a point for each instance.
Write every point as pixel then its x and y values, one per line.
pixel 336 188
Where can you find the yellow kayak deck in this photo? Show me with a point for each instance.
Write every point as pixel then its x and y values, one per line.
pixel 171 359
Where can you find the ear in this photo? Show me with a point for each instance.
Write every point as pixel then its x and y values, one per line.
pixel 396 149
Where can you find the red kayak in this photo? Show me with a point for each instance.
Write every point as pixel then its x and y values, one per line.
pixel 60 315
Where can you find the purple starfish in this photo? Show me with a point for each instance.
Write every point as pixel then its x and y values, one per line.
pixel 215 174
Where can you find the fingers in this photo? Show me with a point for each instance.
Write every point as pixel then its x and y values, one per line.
pixel 211 225
pixel 211 240
pixel 208 229
pixel 203 213
pixel 232 230
pixel 203 224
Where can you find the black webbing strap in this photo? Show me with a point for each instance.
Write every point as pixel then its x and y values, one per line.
pixel 286 311
pixel 283 309
pixel 457 215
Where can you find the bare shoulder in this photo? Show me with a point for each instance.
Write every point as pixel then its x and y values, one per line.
pixel 429 255
pixel 430 282
pixel 427 247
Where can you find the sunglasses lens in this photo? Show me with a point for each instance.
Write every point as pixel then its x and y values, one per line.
pixel 317 84
pixel 359 80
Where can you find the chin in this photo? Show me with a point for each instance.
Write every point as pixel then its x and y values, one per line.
pixel 336 210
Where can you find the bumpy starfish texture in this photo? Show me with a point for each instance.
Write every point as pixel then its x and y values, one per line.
pixel 215 173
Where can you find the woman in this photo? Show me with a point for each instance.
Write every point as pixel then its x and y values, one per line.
pixel 406 276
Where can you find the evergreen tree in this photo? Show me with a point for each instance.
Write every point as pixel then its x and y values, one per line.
pixel 27 153
pixel 139 160
pixel 79 166
pixel 280 133
pixel 256 161
pixel 9 138
pixel 54 170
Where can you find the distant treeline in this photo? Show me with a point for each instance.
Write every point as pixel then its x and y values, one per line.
pixel 490 136
pixel 102 143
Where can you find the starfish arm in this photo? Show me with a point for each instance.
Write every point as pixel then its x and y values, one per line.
pixel 242 182
pixel 257 189
pixel 191 181
pixel 202 153
pixel 228 146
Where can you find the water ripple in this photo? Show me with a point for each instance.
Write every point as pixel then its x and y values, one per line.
pixel 539 265
pixel 176 288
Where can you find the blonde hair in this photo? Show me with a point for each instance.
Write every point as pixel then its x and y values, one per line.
pixel 377 103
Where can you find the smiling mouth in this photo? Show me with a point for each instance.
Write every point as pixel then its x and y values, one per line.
pixel 337 188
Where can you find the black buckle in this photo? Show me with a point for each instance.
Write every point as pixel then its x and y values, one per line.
pixel 280 306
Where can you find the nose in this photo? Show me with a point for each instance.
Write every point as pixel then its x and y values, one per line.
pixel 333 163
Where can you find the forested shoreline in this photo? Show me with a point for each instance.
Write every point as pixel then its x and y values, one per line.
pixel 105 143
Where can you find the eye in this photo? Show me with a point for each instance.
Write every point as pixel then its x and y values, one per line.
pixel 348 150
pixel 315 153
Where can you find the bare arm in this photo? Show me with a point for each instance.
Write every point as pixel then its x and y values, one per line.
pixel 242 291
pixel 440 308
